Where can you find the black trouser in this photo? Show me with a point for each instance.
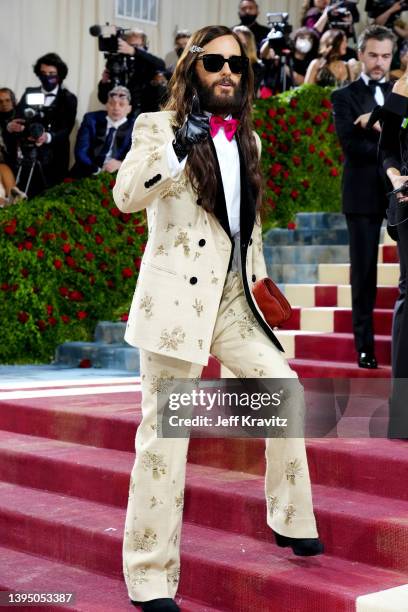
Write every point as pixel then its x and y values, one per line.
pixel 398 311
pixel 364 234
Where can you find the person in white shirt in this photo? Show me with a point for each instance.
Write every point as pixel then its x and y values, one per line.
pixel 195 168
pixel 104 137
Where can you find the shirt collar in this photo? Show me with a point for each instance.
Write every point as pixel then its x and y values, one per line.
pixel 115 124
pixel 52 92
pixel 366 78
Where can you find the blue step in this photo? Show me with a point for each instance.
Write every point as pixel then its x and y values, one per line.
pixel 110 333
pixel 310 254
pixel 116 356
pixel 321 220
pixel 307 236
pixel 288 273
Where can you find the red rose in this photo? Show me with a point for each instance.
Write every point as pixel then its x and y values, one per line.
pixel 65 319
pixel 312 148
pixel 294 194
pixel 10 227
pixel 291 225
pixel 68 180
pixel 85 363
pixel 104 189
pixel 283 147
pixel 296 134
pixel 70 261
pixel 52 236
pixel 271 203
pixel 325 115
pixel 24 272
pixel 322 154
pixel 318 120
pixel 277 190
pixel 64 235
pixel 79 246
pixel 76 296
pixel 41 325
pixel 91 219
pixel 272 113
pixel 281 110
pixel 292 120
pixel 124 317
pixel 21 246
pixel 331 129
pixel 87 228
pixel 112 183
pixel 31 231
pixel 140 230
pixel 57 264
pixel 326 103
pixel 285 174
pixel 103 266
pixel 138 263
pixel 306 183
pixel 306 115
pixel 136 220
pixel 334 172
pixel 110 283
pixel 4 287
pixel 48 215
pixel 275 169
pixel 125 217
pixel 81 314
pixel 309 131
pixel 127 272
pixel 293 103
pixel 23 316
pixel 63 291
pixel 143 248
pixel 130 240
pixel 258 123
pixel 66 248
pixel 296 160
pixel 49 309
pixel 52 321
pixel 99 239
pixel 105 202
pixel 92 279
pixel 328 161
pixel 115 212
pixel 89 256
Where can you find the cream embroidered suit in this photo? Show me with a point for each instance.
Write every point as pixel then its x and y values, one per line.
pixel 185 263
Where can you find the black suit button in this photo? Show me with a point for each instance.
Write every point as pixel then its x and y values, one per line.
pixel 147 184
pixel 201 242
pixel 193 280
pixel 250 241
pixel 253 278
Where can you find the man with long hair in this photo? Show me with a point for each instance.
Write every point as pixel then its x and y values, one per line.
pixel 195 168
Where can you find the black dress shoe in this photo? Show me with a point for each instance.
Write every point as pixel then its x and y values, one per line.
pixel 163 604
pixel 367 360
pixel 303 547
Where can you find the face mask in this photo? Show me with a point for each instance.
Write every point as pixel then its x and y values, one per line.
pixel 247 20
pixel 303 45
pixel 49 82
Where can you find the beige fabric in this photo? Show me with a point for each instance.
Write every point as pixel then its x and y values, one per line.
pixel 151 558
pixel 186 259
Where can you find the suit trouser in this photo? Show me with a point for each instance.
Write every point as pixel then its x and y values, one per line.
pixel 364 233
pixel 151 556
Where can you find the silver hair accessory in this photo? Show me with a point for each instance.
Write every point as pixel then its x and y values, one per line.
pixel 195 49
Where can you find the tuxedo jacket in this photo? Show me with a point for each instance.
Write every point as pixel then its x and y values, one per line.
pixel 363 186
pixel 59 119
pixel 187 256
pixel 90 141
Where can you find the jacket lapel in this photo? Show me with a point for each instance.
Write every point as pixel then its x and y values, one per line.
pixel 220 208
pixel 248 202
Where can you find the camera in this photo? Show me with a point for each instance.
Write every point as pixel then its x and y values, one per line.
pixel 280 30
pixel 380 6
pixel 108 37
pixel 35 117
pixel 340 16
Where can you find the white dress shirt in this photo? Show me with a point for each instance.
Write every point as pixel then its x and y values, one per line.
pixel 379 96
pixel 49 99
pixel 228 159
pixel 115 124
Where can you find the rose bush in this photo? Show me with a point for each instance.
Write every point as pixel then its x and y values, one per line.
pixel 69 258
pixel 301 155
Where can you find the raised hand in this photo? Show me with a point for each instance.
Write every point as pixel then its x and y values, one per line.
pixel 194 131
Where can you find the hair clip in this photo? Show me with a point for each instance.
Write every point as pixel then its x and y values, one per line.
pixel 195 49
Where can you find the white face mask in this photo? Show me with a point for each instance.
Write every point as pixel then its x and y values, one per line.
pixel 303 45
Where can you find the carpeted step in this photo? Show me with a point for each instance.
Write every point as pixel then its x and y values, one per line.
pixel 308 345
pixel 22 572
pixel 388 254
pixel 218 566
pixel 310 295
pixel 333 319
pixel 102 476
pixel 315 368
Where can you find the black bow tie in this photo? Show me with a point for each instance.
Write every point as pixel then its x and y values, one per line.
pixel 372 84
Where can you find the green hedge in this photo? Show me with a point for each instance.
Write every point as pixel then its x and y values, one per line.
pixel 69 258
pixel 301 156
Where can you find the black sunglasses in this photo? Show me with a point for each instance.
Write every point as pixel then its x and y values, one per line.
pixel 214 62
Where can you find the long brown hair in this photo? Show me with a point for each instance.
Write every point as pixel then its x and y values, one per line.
pixel 201 165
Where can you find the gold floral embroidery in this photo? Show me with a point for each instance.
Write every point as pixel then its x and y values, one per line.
pixel 261 373
pixel 179 501
pixel 290 512
pixel 175 539
pixel 160 250
pixel 169 227
pixel 139 576
pixel 196 255
pixel 154 427
pixel 230 313
pixel 155 128
pixel 198 307
pixel 144 541
pixel 241 374
pixel 293 469
pixel 214 279
pixel 273 504
pixel 146 304
pixel 183 239
pixel 177 303
pixel 175 190
pixel 154 462
pixel 247 325
pixel 155 156
pixel 173 576
pixel 200 344
pixel 155 501
pixel 161 383
pixel 171 340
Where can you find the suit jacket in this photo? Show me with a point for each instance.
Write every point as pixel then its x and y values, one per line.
pixel 363 178
pixel 91 138
pixel 59 119
pixel 187 256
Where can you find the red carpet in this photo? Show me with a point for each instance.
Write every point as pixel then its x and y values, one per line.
pixel 64 473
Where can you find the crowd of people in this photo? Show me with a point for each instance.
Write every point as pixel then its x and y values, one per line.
pixel 35 133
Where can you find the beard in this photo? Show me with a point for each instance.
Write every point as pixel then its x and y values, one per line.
pixel 228 104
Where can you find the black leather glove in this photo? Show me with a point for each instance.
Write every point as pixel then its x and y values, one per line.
pixel 195 130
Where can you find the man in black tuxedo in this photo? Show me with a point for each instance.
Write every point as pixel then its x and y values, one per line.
pixel 363 190
pixel 104 137
pixel 58 118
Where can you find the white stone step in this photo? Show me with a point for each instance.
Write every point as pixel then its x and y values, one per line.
pixel 339 274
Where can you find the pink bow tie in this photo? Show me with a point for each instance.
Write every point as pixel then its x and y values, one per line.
pixel 229 125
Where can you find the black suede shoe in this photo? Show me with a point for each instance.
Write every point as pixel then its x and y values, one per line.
pixel 367 360
pixel 163 604
pixel 303 547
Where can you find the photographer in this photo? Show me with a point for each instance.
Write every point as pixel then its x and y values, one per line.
pixel 55 118
pixel 8 103
pixel 135 68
